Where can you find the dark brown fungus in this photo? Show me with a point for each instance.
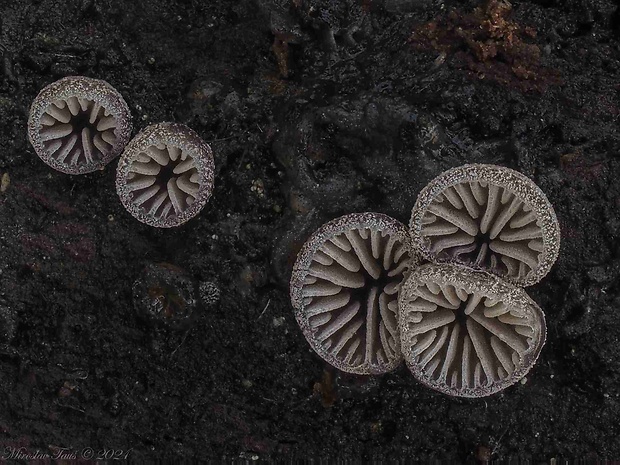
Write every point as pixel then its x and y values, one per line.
pixel 489 218
pixel 467 333
pixel 344 290
pixel 165 175
pixel 78 124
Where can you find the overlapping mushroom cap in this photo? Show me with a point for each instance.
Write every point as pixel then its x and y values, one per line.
pixel 487 217
pixel 467 333
pixel 165 175
pixel 78 124
pixel 344 290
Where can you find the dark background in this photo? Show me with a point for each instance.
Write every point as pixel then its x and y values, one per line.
pixel 313 108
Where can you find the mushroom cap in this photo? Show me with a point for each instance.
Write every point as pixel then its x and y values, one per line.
pixel 467 333
pixel 162 141
pixel 97 93
pixel 518 220
pixel 344 287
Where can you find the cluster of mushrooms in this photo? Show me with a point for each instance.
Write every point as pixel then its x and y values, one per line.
pixel 78 125
pixel 445 294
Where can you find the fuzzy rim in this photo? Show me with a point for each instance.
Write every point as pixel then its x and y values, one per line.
pixel 490 286
pixel 187 140
pixel 514 181
pixel 333 228
pixel 92 89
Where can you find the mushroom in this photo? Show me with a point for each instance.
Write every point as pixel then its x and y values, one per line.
pixel 490 218
pixel 467 333
pixel 344 290
pixel 79 124
pixel 165 175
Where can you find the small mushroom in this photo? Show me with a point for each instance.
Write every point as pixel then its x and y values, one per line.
pixel 467 333
pixel 165 175
pixel 344 290
pixel 78 124
pixel 490 218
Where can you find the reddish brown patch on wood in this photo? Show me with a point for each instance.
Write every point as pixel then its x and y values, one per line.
pixel 488 45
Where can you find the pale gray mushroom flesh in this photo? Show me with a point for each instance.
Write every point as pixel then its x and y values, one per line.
pixel 467 333
pixel 344 289
pixel 79 124
pixel 165 175
pixel 163 179
pixel 487 217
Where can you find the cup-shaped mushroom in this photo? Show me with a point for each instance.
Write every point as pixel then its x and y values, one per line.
pixel 78 124
pixel 489 218
pixel 344 289
pixel 165 175
pixel 467 333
